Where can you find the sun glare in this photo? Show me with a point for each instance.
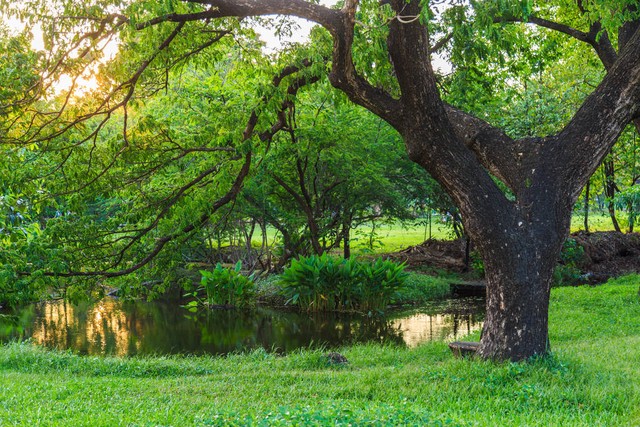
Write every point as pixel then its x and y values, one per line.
pixel 84 83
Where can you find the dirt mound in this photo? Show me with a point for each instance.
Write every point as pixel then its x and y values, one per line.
pixel 437 254
pixel 606 254
pixel 602 247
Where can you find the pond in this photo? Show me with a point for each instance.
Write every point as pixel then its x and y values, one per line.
pixel 115 327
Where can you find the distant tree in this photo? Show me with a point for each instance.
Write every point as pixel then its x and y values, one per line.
pixel 335 168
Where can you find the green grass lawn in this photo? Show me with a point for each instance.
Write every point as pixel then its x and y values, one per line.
pixel 388 237
pixel 597 222
pixel 593 379
pixel 396 236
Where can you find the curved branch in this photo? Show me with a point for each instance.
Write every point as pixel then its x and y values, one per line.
pixel 562 28
pixel 243 8
pixel 494 149
pixel 441 43
pixel 597 38
pixel 345 77
pixel 604 115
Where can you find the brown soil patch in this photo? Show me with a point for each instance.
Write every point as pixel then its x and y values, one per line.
pixel 606 254
pixel 446 255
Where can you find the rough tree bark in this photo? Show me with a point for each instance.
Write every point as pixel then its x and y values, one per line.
pixel 587 189
pixel 519 239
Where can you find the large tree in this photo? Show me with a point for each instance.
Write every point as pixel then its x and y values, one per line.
pixel 515 195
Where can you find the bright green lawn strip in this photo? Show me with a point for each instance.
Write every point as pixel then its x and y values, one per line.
pixel 420 288
pixel 593 379
pixel 388 237
pixel 396 236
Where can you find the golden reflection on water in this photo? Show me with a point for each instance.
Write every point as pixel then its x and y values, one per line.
pixel 101 328
pixel 420 328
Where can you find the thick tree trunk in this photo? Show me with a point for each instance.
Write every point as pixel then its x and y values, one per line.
pixel 518 285
pixel 346 239
pixel 467 253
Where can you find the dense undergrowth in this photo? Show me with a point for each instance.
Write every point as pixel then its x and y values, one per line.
pixel 593 378
pixel 322 283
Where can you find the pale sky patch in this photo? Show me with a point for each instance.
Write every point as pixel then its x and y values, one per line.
pixel 301 34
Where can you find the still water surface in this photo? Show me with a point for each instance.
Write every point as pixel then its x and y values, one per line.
pixel 114 327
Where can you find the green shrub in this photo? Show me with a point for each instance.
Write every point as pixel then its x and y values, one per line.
pixel 324 283
pixel 380 281
pixel 566 275
pixel 572 253
pixel 225 286
pixel 567 272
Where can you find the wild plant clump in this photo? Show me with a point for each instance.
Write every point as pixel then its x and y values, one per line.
pixel 324 283
pixel 225 287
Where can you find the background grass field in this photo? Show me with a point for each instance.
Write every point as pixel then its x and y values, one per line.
pixel 395 236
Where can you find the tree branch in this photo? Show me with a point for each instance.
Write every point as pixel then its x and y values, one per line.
pixel 602 45
pixel 603 116
pixel 441 43
pixel 345 77
pixel 161 242
pixel 494 149
pixel 243 8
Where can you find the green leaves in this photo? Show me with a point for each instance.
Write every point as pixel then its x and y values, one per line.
pixel 18 76
pixel 227 287
pixel 324 283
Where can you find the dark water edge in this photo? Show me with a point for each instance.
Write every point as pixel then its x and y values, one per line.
pixel 125 328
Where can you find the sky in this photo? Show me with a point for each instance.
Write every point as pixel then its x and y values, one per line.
pixel 301 34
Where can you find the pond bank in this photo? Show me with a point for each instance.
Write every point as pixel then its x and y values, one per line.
pixel 588 381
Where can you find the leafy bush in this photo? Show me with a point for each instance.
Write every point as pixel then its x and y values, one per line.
pixel 225 286
pixel 567 272
pixel 380 281
pixel 323 283
pixel 566 275
pixel 572 253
